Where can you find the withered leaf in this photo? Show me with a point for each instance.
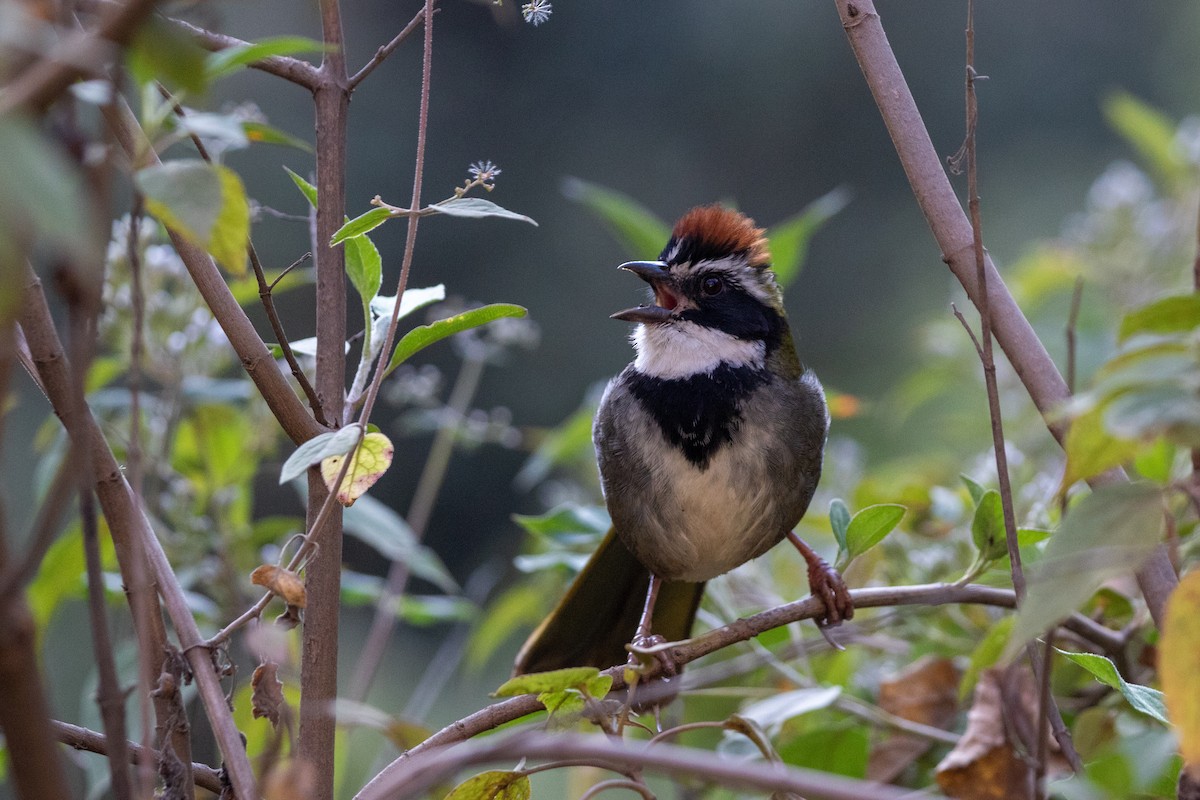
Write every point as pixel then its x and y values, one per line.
pixel 284 583
pixel 267 692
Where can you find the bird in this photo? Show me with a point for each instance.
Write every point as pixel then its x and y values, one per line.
pixel 709 446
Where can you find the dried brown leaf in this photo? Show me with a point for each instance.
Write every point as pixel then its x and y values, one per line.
pixel 291 779
pixel 284 583
pixel 926 692
pixel 985 765
pixel 267 696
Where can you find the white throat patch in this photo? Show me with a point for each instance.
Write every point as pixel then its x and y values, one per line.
pixel 681 349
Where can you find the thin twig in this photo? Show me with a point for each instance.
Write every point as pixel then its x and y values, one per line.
pixel 386 50
pixel 133 456
pixel 618 783
pixel 109 695
pixel 1044 699
pixel 1072 331
pixel 985 312
pixel 45 530
pixel 94 742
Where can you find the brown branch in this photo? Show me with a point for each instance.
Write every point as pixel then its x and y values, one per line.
pixel 86 739
pixel 291 69
pixel 271 383
pixel 435 767
pixel 318 659
pixel 742 630
pixel 143 563
pixel 951 229
pixel 386 50
pixel 80 53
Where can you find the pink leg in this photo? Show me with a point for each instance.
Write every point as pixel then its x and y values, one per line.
pixel 825 583
pixel 644 638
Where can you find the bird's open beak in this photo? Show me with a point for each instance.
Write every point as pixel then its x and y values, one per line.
pixel 654 273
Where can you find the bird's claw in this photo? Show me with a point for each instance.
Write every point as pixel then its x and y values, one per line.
pixel 826 583
pixel 649 654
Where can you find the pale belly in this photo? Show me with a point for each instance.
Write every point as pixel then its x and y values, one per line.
pixel 693 524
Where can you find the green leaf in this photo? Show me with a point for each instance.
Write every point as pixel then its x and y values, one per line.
pixel 40 193
pixel 205 203
pixel 1174 314
pixel 1149 131
pixel 1156 462
pixel 364 267
pixel 422 336
pixel 1169 409
pixel 1091 449
pixel 563 702
pixel 318 448
pixel 1143 698
pixel 361 224
pixel 839 521
pixel 1110 532
pixel 521 606
pixel 870 525
pixel 413 300
pixel 307 189
pixel 370 460
pixel 553 681
pixel 598 687
pixel 770 714
pixel 790 238
pixel 494 785
pixel 231 59
pixel 635 227
pixel 840 751
pixel 161 52
pixel 986 654
pixel 565 519
pixel 987 527
pixel 376 525
pixel 262 133
pixel 475 207
pixel 976 490
pixel 224 128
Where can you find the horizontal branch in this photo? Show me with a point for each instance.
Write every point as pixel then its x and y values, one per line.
pixel 94 742
pixel 295 70
pixel 742 630
pixel 432 768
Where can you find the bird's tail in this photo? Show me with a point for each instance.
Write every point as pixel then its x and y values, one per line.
pixel 599 614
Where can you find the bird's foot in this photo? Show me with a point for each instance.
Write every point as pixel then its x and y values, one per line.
pixel 826 583
pixel 650 655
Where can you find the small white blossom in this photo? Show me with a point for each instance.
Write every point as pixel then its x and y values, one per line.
pixel 536 12
pixel 483 171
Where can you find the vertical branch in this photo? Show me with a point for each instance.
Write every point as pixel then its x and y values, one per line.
pixel 318 668
pixel 982 301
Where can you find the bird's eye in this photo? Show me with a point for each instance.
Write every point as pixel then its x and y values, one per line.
pixel 712 285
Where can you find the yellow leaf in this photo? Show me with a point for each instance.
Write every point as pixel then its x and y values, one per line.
pixel 1091 449
pixel 370 460
pixel 1179 666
